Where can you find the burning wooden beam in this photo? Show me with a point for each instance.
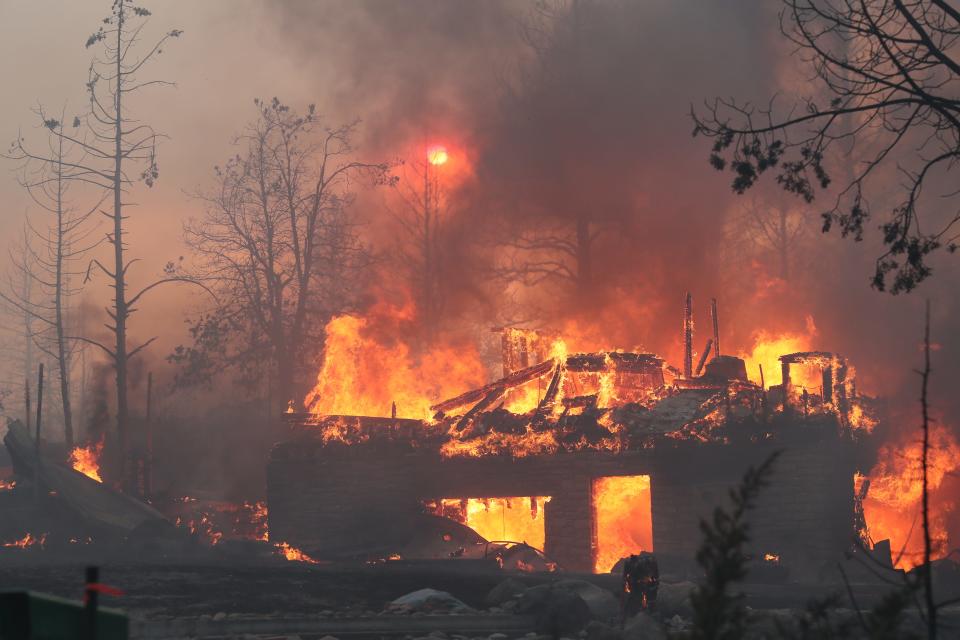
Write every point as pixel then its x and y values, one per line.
pixel 716 328
pixel 704 355
pixel 513 380
pixel 485 403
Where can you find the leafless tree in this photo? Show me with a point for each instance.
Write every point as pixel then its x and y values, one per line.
pixel 18 349
pixel 44 269
pixel 551 253
pixel 890 75
pixel 555 245
pixel 278 244
pixel 422 214
pixel 115 144
pixel 771 232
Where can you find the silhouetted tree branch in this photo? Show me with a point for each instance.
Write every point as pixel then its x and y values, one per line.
pixel 891 80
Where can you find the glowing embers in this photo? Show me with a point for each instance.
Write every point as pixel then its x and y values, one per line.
pixel 294 554
pixel 623 524
pixel 518 519
pixel 28 540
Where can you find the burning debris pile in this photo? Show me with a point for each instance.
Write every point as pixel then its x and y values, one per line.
pixel 556 432
pixel 616 401
pixel 62 504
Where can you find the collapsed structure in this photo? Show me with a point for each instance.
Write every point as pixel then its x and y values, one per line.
pixel 558 432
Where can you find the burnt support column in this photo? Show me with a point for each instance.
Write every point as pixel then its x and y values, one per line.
pixel 827 384
pixel 568 524
pixel 716 328
pixel 785 376
pixel 840 385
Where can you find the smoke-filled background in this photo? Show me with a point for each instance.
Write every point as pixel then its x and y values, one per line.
pixel 574 198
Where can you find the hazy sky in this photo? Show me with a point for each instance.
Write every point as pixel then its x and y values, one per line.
pixel 229 53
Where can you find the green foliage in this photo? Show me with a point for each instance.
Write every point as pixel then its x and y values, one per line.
pixel 719 614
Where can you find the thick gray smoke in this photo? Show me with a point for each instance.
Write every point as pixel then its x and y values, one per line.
pixel 582 106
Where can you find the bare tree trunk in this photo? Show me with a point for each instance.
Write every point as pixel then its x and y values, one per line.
pixel 927 547
pixel 428 257
pixel 58 307
pixel 784 247
pixel 119 275
pixel 27 334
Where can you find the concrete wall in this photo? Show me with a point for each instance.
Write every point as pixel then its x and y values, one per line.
pixel 330 499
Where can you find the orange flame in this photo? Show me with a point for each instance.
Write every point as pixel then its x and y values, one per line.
pixel 892 506
pixel 27 541
pixel 86 460
pixel 518 519
pixel 258 517
pixel 368 368
pixel 7 485
pixel 623 522
pixel 767 349
pixel 202 527
pixel 293 554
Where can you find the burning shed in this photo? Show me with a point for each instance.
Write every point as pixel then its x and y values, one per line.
pixel 592 456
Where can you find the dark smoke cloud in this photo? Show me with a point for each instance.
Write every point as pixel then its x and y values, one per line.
pixel 613 137
pixel 408 69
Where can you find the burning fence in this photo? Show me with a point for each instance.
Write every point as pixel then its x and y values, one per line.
pixel 589 456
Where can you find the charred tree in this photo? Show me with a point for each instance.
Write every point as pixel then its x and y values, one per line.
pixel 114 144
pixel 46 263
pixel 279 247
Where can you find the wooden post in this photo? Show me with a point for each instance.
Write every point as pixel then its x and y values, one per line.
pixel 688 337
pixel 704 355
pixel 148 454
pixel 716 328
pixel 36 440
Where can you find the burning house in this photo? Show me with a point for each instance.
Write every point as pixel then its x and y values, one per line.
pixel 589 457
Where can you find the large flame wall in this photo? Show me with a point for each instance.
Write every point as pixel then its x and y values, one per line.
pixel 517 519
pixel 621 508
